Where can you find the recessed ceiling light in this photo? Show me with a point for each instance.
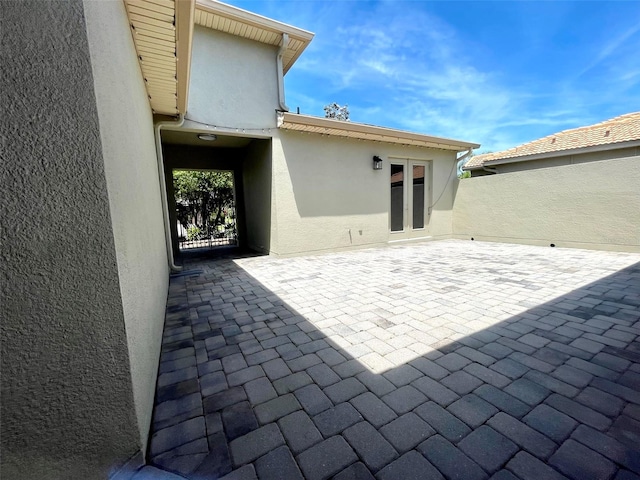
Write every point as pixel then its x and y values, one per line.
pixel 207 137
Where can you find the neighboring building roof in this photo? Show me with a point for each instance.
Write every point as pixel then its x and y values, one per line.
pixel 162 33
pixel 613 133
pixel 340 128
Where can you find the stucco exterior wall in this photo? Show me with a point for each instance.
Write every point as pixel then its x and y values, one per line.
pixel 128 149
pixel 588 205
pixel 67 399
pixel 328 197
pixel 561 160
pixel 257 178
pixel 233 81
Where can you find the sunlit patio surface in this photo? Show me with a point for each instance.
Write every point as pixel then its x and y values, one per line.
pixel 449 359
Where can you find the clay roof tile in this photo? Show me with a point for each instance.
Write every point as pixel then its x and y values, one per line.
pixel 624 128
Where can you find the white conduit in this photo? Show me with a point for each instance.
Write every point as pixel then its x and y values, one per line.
pixel 163 189
pixel 283 48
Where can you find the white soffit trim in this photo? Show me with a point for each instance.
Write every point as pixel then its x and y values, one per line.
pixel 326 126
pixel 235 21
pixel 162 32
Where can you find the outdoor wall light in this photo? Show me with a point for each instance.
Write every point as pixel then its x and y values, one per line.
pixel 377 163
pixel 208 137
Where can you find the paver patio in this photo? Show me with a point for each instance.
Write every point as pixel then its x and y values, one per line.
pixel 450 359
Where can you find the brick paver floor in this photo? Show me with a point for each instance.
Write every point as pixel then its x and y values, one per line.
pixel 451 359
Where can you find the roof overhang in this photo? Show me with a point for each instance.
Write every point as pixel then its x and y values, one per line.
pixel 235 21
pixel 162 32
pixel 361 131
pixel 554 154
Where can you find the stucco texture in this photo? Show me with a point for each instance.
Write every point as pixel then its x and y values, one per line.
pixel 256 178
pixel 233 81
pixel 67 400
pixel 326 195
pixel 588 205
pixel 128 148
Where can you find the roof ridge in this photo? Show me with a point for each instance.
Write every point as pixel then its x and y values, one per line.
pixel 572 138
pixel 617 119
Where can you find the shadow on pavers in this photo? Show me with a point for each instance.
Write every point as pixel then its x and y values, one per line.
pixel 248 385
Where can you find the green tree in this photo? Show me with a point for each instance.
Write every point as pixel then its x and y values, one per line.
pixel 204 201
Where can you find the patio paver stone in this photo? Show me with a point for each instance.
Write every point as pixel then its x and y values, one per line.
pixel 448 359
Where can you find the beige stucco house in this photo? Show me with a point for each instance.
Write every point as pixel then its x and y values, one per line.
pixel 104 99
pixel 307 184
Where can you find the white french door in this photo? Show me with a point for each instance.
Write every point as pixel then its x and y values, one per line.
pixel 409 184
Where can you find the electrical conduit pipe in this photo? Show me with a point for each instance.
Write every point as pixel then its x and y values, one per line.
pixel 283 47
pixel 163 188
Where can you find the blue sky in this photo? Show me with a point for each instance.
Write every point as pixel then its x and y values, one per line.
pixel 495 73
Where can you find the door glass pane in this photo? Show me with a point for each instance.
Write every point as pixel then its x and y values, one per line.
pixel 418 196
pixel 397 197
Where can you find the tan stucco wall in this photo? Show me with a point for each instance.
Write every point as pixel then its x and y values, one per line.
pixel 587 205
pixel 326 195
pixel 561 160
pixel 257 178
pixel 128 148
pixel 67 399
pixel 233 81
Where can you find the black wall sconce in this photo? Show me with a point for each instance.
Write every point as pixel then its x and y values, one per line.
pixel 377 163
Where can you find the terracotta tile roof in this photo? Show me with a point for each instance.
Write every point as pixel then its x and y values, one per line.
pixel 624 128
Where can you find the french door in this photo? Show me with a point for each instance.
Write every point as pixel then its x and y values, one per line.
pixel 409 198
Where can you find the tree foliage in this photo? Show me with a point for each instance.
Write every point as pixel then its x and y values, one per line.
pixel 337 112
pixel 204 201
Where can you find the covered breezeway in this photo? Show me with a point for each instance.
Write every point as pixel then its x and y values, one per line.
pixel 247 160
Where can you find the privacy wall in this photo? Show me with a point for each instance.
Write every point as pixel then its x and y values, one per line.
pixel 589 205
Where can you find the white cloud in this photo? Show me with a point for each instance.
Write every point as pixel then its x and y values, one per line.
pixel 415 74
pixel 611 47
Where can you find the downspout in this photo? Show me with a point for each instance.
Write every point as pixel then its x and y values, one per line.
pixel 163 189
pixel 279 67
pixel 490 170
pixel 461 158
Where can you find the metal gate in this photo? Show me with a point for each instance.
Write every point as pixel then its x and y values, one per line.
pixel 205 208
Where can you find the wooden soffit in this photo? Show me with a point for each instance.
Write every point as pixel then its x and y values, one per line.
pixel 235 21
pixel 162 32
